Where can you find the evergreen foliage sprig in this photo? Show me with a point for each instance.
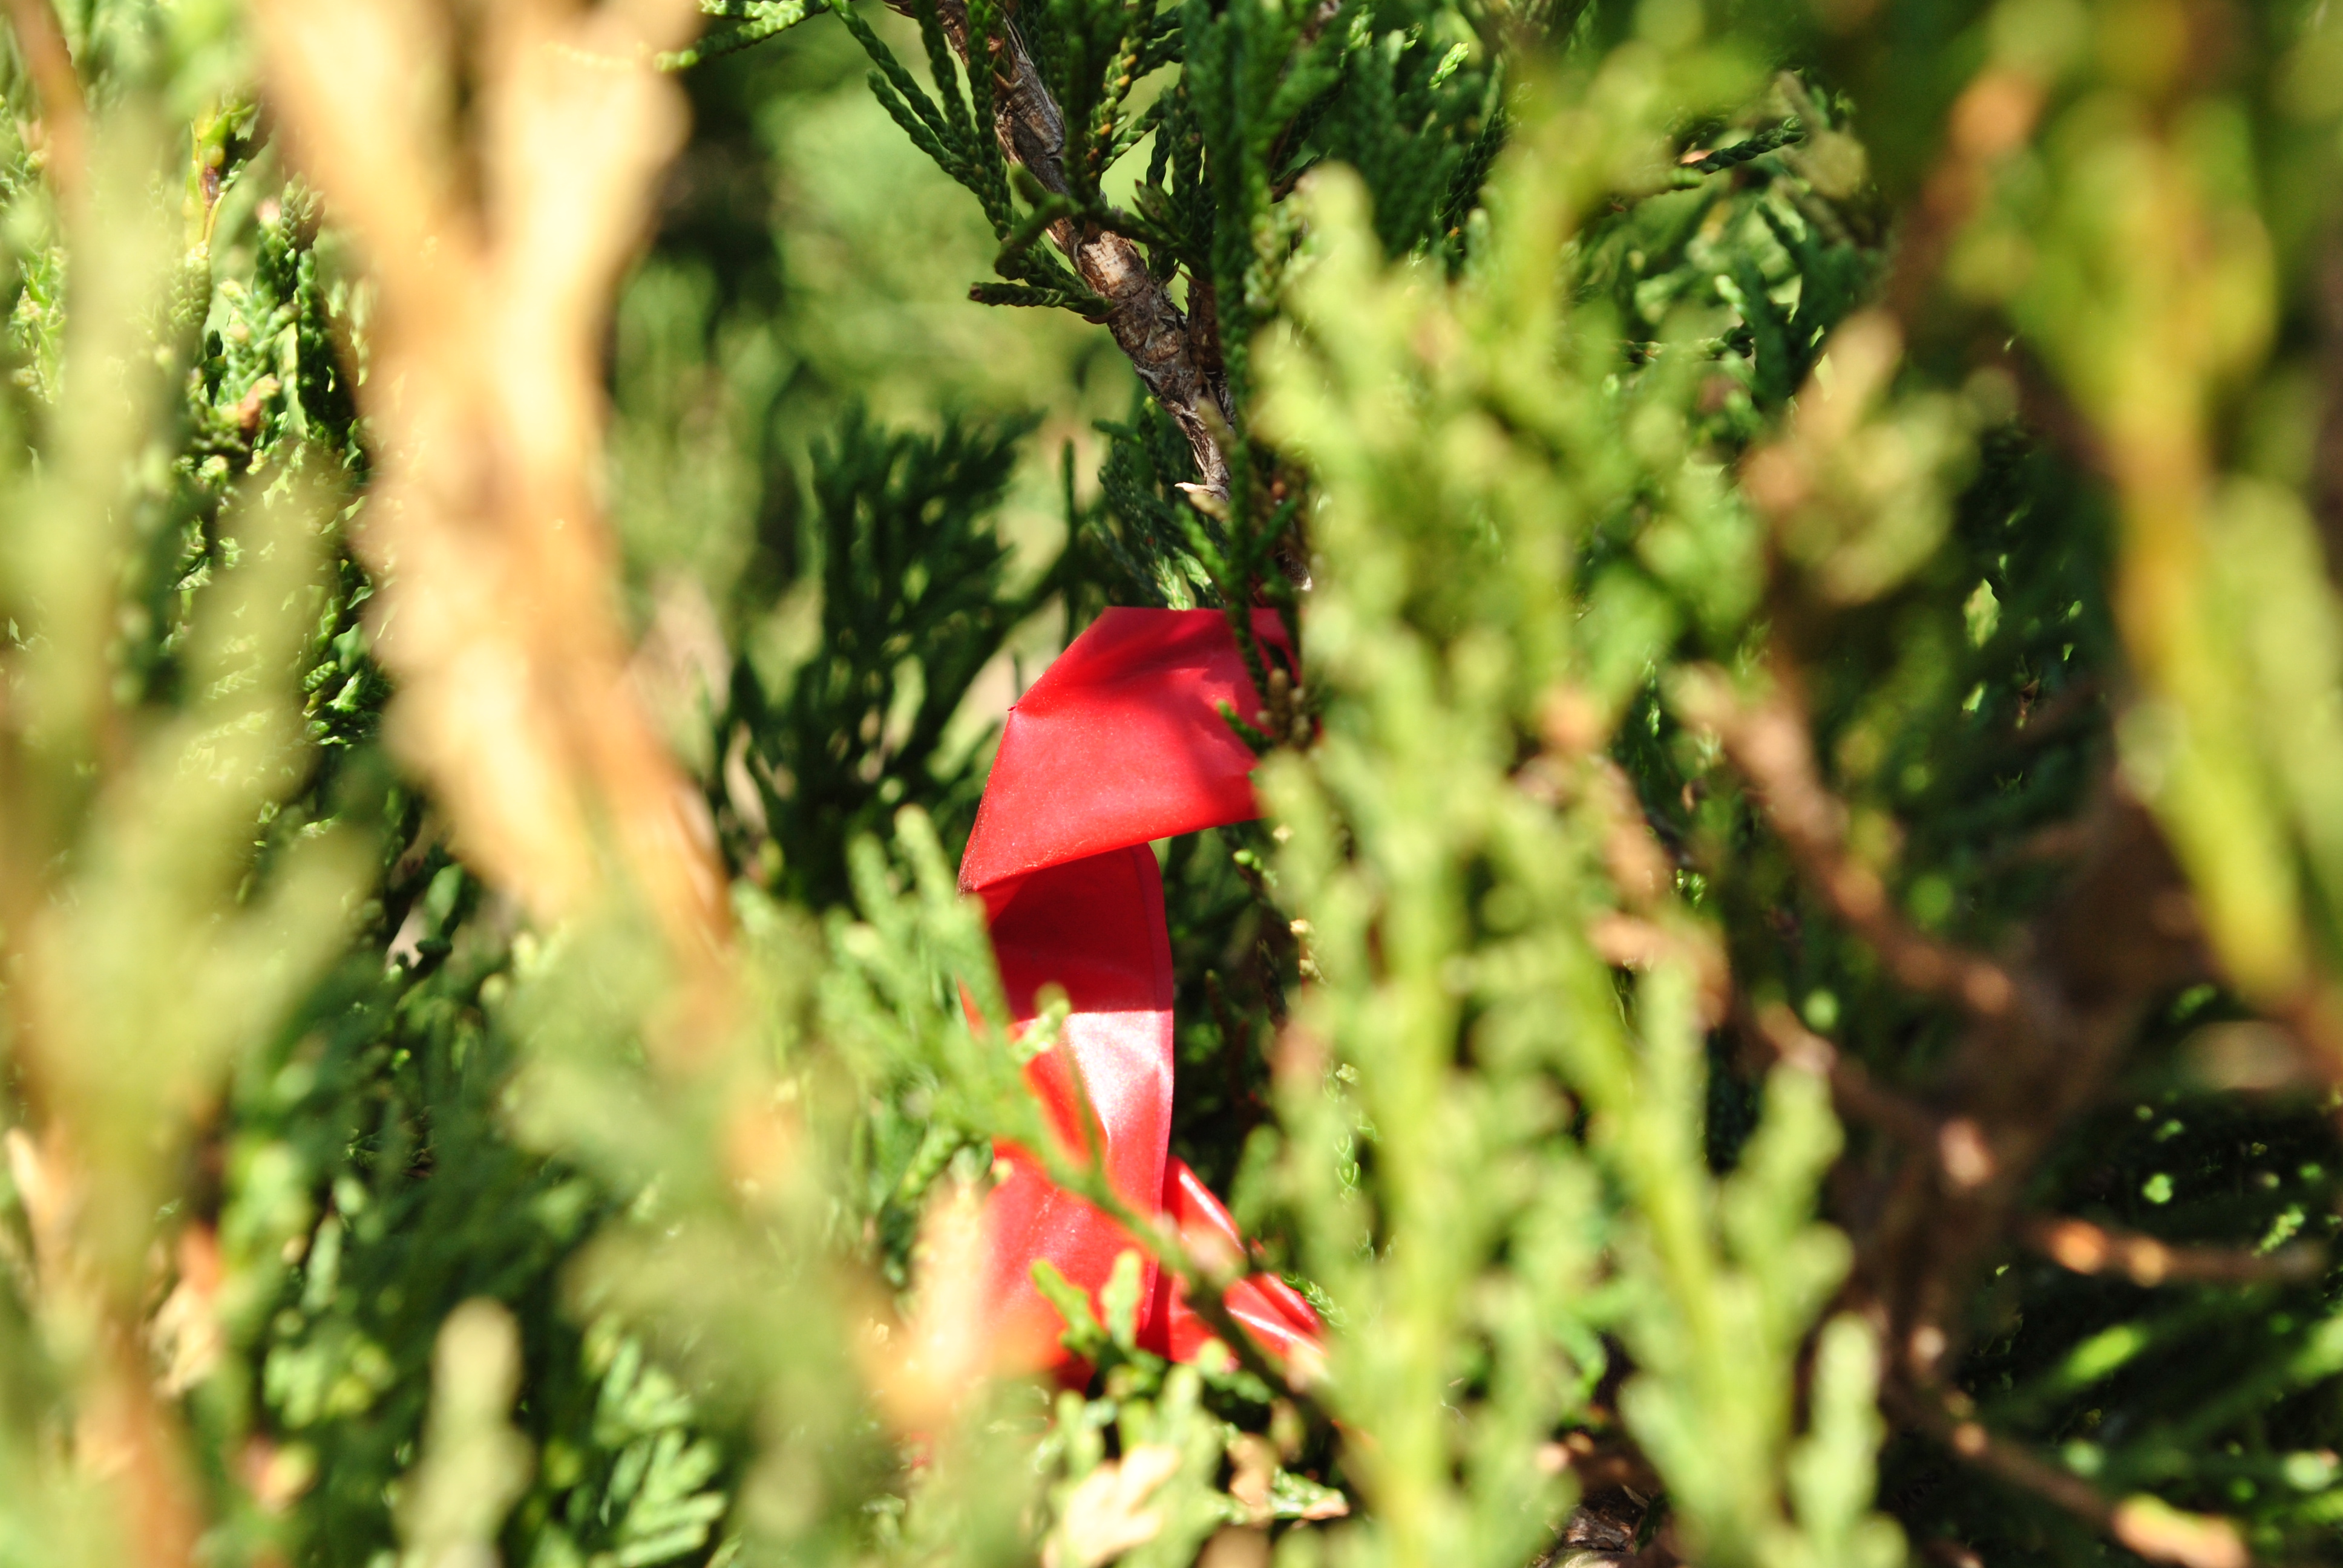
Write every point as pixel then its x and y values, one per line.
pixel 909 601
pixel 1260 95
pixel 1784 989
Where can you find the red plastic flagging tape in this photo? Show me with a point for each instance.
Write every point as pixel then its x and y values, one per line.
pixel 1121 742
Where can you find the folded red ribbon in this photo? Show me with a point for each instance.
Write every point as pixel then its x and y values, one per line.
pixel 1122 741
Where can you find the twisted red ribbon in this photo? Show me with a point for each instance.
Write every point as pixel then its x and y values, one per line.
pixel 1122 741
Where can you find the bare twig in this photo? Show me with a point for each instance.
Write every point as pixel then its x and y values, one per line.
pixel 2151 1529
pixel 1954 1424
pixel 2087 1248
pixel 1994 116
pixel 122 1431
pixel 2327 473
pixel 2313 1016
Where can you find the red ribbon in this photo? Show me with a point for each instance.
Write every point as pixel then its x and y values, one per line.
pixel 1122 741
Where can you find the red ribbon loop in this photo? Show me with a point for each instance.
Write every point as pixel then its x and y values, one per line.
pixel 1121 742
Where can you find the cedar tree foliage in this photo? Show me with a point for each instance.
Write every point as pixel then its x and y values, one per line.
pixel 1787 1003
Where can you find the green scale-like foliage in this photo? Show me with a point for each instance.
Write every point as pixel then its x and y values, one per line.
pixel 1247 99
pixel 908 600
pixel 1510 309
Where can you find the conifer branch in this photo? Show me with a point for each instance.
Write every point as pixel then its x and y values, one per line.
pixel 1151 330
pixel 503 594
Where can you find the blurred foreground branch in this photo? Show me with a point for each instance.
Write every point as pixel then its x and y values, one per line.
pixel 499 610
pixel 64 133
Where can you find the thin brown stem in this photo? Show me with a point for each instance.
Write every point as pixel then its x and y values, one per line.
pixel 2087 1248
pixel 1852 1088
pixel 2155 1531
pixel 1994 116
pixel 1769 742
pixel 2327 464
pixel 2040 1035
pixel 122 1434
pixel 1960 1431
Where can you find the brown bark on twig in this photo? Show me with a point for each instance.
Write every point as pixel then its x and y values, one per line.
pixel 1991 119
pixel 127 1436
pixel 1852 1088
pixel 1966 1437
pixel 1153 334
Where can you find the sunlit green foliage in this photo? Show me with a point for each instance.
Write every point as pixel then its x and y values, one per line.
pixel 1955 382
